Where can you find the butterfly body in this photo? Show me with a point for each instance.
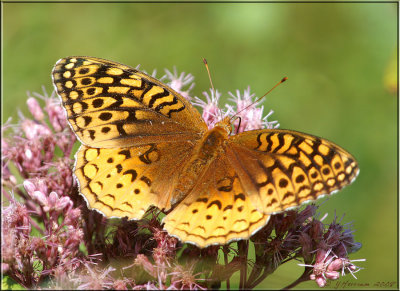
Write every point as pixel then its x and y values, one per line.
pixel 209 148
pixel 144 144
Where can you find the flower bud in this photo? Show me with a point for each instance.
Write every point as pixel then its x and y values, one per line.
pixel 35 109
pixel 333 275
pixel 62 203
pixel 40 197
pixel 321 281
pixel 29 187
pixel 53 199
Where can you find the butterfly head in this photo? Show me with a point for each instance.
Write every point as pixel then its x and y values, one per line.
pixel 225 124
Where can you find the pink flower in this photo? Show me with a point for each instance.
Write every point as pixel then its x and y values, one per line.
pixel 35 109
pixel 143 261
pixel 56 114
pixel 211 112
pixel 178 82
pixel 327 266
pixel 33 130
pixel 184 279
pixel 251 115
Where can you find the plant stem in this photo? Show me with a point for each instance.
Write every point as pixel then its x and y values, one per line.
pixel 243 247
pixel 226 251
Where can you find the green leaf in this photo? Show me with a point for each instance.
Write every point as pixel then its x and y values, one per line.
pixel 9 284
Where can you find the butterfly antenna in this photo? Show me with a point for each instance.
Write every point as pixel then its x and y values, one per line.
pixel 208 71
pixel 258 99
pixel 209 77
pixel 240 122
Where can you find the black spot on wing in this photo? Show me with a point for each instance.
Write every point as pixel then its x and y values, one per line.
pixel 215 202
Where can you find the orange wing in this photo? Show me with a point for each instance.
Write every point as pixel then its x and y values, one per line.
pixel 122 182
pixel 112 105
pixel 216 211
pixel 281 169
pixel 136 133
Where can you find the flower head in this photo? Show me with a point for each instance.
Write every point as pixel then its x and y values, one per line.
pixel 178 82
pixel 249 111
pixel 211 111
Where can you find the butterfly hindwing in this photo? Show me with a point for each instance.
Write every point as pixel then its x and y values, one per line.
pixel 125 181
pixel 216 211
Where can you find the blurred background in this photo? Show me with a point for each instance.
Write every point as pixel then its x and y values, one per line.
pixel 340 58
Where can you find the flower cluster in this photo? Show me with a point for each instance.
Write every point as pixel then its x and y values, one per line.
pixel 50 239
pixel 163 269
pixel 332 249
pixel 299 234
pixel 42 204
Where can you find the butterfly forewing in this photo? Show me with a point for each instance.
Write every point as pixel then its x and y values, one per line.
pixel 137 132
pixel 112 105
pixel 281 169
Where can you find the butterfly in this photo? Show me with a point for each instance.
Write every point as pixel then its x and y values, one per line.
pixel 144 144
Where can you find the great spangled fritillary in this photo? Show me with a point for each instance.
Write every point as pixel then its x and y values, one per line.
pixel 144 144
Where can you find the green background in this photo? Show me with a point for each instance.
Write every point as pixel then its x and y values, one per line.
pixel 340 59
